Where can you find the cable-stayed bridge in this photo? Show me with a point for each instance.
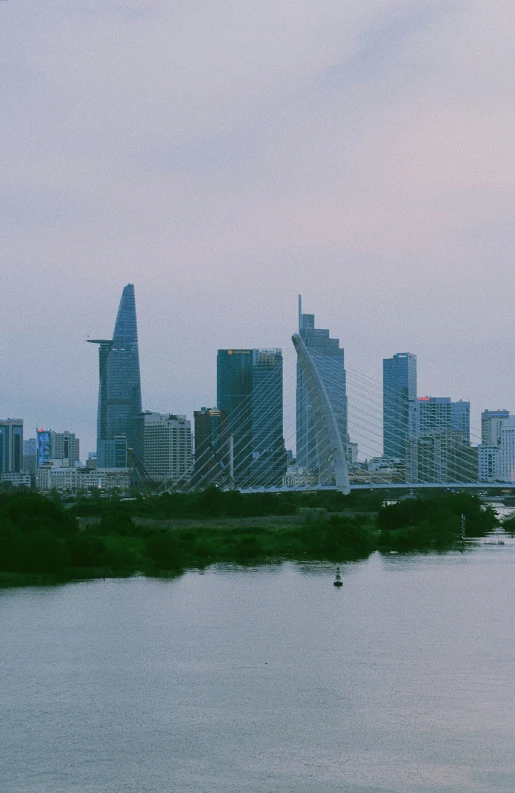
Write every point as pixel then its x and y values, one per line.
pixel 247 450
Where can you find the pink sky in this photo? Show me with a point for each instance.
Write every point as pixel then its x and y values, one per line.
pixel 226 156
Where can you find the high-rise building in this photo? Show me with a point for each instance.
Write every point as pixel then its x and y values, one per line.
pixel 11 445
pixel 497 450
pixel 234 390
pixel 119 393
pixel 505 463
pixel 250 393
pixel 329 359
pixel 163 445
pixel 29 446
pixel 491 424
pixel 56 446
pixel 399 403
pixel 213 448
pixel 440 451
pixel 495 461
pixel 460 419
pixel 112 453
pixel 29 458
pixel 488 463
pixel 437 414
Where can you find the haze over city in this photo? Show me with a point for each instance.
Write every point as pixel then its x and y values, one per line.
pixel 226 161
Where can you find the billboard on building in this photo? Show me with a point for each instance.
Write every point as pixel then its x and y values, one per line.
pixel 43 445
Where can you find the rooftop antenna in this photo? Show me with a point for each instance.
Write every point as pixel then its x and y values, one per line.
pixel 300 312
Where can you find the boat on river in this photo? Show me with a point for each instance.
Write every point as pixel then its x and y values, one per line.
pixel 338 579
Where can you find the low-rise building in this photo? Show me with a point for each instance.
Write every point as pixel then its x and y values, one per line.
pixel 72 479
pixel 298 476
pixel 22 479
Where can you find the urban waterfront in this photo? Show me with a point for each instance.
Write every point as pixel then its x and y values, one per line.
pixel 266 679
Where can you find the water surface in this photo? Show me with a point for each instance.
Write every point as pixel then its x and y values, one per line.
pixel 265 679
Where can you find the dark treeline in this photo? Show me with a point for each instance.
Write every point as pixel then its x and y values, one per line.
pixel 432 522
pixel 39 535
pixel 215 503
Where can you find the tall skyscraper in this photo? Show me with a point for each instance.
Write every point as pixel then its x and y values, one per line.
pixel 399 403
pixel 250 392
pixel 11 445
pixel 329 359
pixel 119 393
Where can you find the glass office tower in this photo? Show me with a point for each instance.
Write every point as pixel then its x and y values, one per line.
pixel 213 452
pixel 329 359
pixel 119 393
pixel 11 445
pixel 250 393
pixel 399 403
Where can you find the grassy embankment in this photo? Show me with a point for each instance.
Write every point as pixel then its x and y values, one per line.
pixel 41 540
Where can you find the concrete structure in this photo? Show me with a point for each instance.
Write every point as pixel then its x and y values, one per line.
pixel 17 479
pixel 119 393
pixel 492 465
pixel 488 463
pixel 73 479
pixel 29 446
pixel 399 403
pixel 29 458
pixel 497 459
pixel 353 453
pixel 377 470
pixel 296 476
pixel 57 446
pixel 491 424
pixel 112 453
pixel 439 450
pixel 250 393
pixel 328 358
pixel 11 445
pixel 437 414
pixel 162 442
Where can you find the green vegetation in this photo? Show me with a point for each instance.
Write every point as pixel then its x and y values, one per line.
pixel 418 524
pixel 508 525
pixel 215 503
pixel 41 539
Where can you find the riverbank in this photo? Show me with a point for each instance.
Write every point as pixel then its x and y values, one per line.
pixel 42 542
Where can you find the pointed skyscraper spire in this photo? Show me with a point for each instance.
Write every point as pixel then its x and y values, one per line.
pixel 125 329
pixel 119 395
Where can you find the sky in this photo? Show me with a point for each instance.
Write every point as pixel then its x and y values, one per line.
pixel 225 157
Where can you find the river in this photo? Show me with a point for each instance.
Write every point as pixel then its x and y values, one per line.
pixel 265 679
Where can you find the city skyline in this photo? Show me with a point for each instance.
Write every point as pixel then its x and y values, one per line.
pixel 289 418
pixel 436 431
